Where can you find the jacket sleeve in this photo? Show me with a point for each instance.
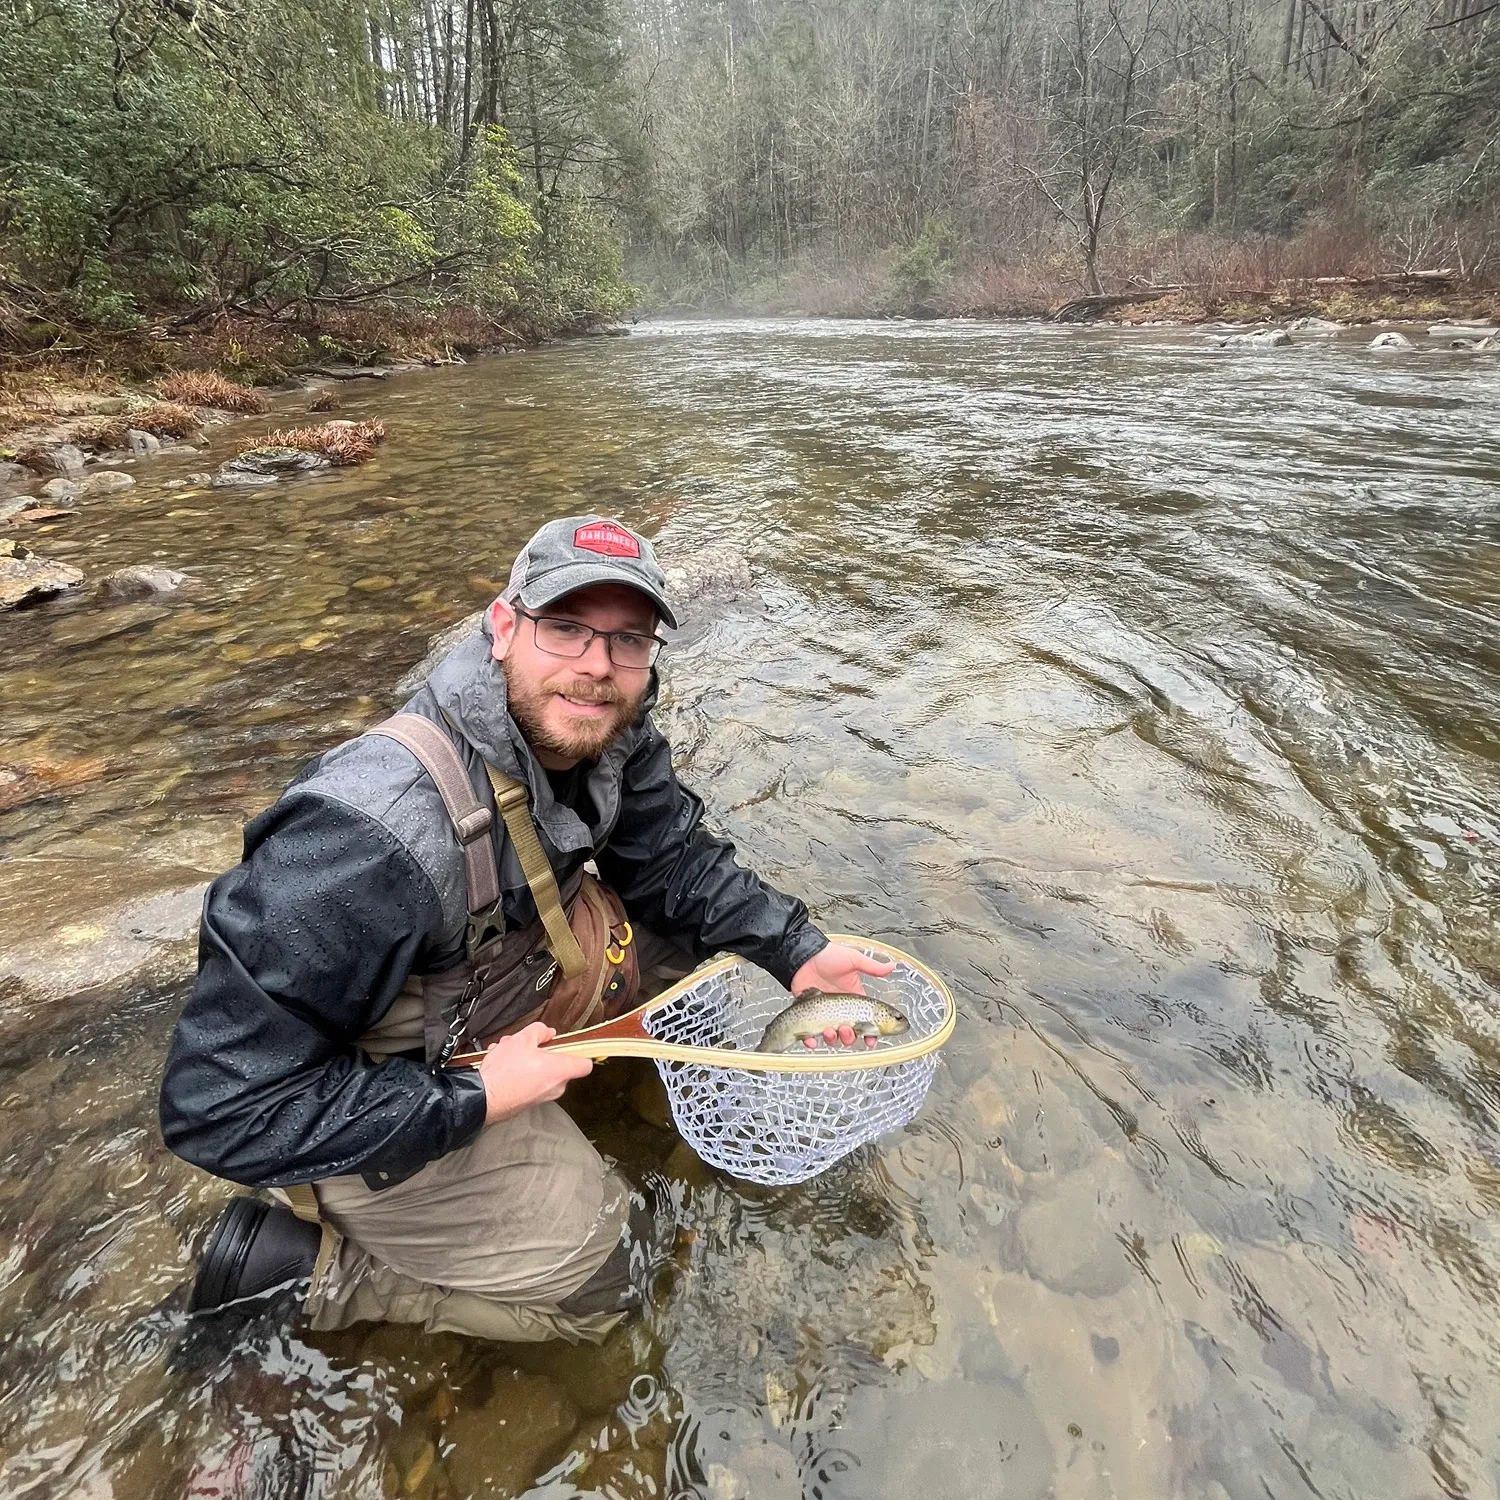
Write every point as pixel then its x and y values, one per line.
pixel 681 881
pixel 302 947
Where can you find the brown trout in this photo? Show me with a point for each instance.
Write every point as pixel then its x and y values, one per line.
pixel 804 1021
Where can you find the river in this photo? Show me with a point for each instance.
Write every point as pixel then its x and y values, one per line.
pixel 1146 690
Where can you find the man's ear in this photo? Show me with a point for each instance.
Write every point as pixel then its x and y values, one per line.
pixel 502 628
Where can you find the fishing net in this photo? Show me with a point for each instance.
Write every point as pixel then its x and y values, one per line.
pixel 783 1127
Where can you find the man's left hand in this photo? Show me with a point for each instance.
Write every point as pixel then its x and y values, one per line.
pixel 837 969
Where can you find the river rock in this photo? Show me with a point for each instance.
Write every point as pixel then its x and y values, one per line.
pixel 1258 338
pixel 141 583
pixel 1070 1238
pixel 499 1448
pixel 143 444
pixel 106 482
pixel 11 473
pixel 258 465
pixel 1391 340
pixel 706 575
pixel 10 547
pixel 25 580
pixel 67 459
pixel 62 491
pixel 1314 325
pixel 1489 344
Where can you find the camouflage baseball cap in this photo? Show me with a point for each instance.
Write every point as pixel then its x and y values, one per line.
pixel 576 551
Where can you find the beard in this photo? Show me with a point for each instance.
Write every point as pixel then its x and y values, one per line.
pixel 585 739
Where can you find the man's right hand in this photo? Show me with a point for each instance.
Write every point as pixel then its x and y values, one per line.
pixel 517 1073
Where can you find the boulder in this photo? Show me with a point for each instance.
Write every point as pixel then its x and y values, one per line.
pixel 1489 344
pixel 1391 340
pixel 67 459
pixel 438 646
pixel 255 465
pixel 106 482
pixel 1314 325
pixel 706 575
pixel 141 583
pixel 143 444
pixel 61 491
pixel 24 580
pixel 1258 338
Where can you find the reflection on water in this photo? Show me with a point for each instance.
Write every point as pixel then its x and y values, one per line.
pixel 1146 691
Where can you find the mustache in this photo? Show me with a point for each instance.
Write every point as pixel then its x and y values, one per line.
pixel 589 692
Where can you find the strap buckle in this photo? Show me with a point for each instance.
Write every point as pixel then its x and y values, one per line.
pixel 473 825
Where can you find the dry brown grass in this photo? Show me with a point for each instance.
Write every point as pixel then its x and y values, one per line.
pixel 165 419
pixel 343 442
pixel 100 433
pixel 204 388
pixel 326 402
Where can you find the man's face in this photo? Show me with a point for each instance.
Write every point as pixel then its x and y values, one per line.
pixel 572 708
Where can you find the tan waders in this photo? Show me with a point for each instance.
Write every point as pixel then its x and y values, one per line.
pixel 496 1237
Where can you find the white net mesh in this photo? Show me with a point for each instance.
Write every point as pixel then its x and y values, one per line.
pixel 778 1128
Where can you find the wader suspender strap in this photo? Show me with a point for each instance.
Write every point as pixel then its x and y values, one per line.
pixel 511 797
pixel 470 818
pixel 471 822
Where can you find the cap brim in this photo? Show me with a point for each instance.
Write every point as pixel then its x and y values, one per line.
pixel 557 583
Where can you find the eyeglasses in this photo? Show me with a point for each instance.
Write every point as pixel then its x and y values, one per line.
pixel 627 648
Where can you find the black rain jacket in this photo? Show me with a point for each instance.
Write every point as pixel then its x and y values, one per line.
pixel 354 879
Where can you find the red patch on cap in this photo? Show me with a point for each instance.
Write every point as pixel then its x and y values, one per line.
pixel 607 539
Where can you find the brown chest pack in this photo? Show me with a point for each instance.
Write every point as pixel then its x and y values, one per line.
pixel 575 965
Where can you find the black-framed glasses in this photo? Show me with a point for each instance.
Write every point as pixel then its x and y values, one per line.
pixel 627 648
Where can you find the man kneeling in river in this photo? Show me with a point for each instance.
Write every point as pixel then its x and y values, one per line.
pixel 421 890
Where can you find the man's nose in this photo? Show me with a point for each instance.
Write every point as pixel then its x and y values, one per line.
pixel 595 660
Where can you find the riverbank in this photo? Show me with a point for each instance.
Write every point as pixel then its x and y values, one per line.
pixel 79 401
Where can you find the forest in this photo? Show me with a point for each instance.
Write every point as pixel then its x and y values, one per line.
pixel 517 167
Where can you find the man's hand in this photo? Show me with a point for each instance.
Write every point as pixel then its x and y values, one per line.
pixel 837 969
pixel 518 1074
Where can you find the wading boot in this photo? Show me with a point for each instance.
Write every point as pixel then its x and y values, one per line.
pixel 255 1248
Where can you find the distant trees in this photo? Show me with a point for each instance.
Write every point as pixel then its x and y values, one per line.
pixel 783 130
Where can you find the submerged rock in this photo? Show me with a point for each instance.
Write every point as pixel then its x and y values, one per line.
pixel 500 1448
pixel 1391 340
pixel 25 580
pixel 106 482
pixel 141 583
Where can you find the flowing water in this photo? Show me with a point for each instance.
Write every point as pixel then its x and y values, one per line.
pixel 1146 690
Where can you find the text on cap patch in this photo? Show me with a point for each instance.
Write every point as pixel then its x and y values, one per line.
pixel 607 539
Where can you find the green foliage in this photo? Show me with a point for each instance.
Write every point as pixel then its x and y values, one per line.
pixel 921 270
pixel 274 157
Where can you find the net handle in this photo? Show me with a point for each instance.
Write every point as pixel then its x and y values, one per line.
pixel 626 1035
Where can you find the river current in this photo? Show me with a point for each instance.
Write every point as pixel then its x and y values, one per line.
pixel 1146 690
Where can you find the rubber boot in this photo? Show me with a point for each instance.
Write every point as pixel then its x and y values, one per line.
pixel 255 1248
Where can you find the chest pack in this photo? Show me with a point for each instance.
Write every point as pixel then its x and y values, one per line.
pixel 575 965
